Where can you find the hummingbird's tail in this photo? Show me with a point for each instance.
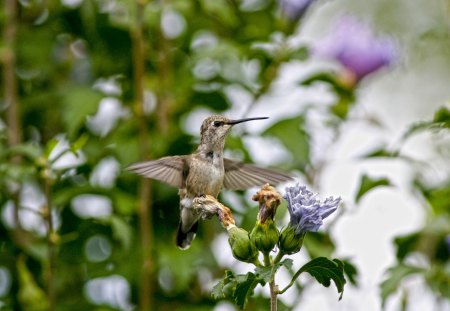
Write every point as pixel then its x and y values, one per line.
pixel 184 239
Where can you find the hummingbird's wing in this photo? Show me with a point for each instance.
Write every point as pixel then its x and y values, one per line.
pixel 240 176
pixel 168 169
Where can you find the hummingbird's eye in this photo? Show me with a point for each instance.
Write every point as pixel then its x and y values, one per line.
pixel 217 123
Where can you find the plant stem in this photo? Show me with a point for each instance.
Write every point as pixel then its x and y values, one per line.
pixel 296 275
pixel 145 215
pixel 278 258
pixel 273 287
pixel 9 76
pixel 267 260
pixel 14 133
pixel 51 256
pixel 164 93
pixel 273 295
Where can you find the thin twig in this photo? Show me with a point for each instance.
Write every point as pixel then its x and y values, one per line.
pixel 164 97
pixel 278 257
pixel 51 240
pixel 145 215
pixel 9 76
pixel 294 278
pixel 10 95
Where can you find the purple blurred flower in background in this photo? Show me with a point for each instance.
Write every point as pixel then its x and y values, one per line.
pixel 355 45
pixel 294 9
pixel 307 213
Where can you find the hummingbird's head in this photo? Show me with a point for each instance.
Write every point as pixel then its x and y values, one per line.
pixel 217 127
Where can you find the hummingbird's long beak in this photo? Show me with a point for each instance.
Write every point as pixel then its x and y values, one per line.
pixel 233 122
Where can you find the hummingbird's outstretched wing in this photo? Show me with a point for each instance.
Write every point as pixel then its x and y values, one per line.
pixel 240 176
pixel 168 169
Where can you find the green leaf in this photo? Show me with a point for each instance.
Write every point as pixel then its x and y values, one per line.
pixel 17 172
pixel 124 202
pixel 406 244
pixel 79 102
pixel 442 117
pixel 367 184
pixel 287 263
pixel 79 143
pixel 301 54
pixel 325 271
pixel 214 100
pixel 29 151
pixel 222 11
pixel 350 272
pixel 266 274
pixel 122 231
pixel 438 277
pixel 320 77
pixel 291 134
pixel 319 244
pixel 395 276
pixel 235 143
pixel 31 296
pixel 436 197
pixel 218 290
pixel 346 96
pixel 51 144
pixel 244 288
pixel 441 120
pixel 380 153
pixel 37 250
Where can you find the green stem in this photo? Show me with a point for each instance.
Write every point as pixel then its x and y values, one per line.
pixel 296 275
pixel 164 92
pixel 11 103
pixel 145 215
pixel 279 257
pixel 272 286
pixel 273 295
pixel 257 263
pixel 51 240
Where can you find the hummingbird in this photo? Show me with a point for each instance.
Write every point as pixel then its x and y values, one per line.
pixel 206 172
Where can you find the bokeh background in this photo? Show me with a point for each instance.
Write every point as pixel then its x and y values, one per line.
pixel 358 98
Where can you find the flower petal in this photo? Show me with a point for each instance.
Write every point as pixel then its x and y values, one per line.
pixel 307 213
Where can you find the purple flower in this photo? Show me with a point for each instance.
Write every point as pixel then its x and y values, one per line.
pixel 294 9
pixel 307 213
pixel 355 45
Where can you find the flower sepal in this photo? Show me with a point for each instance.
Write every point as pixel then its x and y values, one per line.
pixel 242 247
pixel 265 236
pixel 290 242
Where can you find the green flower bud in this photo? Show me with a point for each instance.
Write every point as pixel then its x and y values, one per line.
pixel 290 242
pixel 265 236
pixel 243 249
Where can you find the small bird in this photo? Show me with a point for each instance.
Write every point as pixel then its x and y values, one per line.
pixel 206 172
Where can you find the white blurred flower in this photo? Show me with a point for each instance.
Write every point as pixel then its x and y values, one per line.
pixel 105 173
pixel 91 205
pixel 110 111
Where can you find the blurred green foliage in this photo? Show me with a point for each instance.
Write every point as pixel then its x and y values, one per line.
pixel 74 59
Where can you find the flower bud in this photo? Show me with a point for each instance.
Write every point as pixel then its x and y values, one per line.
pixel 242 247
pixel 269 199
pixel 290 242
pixel 265 236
